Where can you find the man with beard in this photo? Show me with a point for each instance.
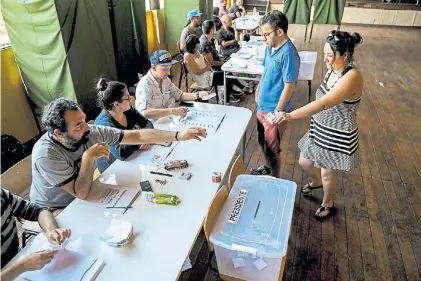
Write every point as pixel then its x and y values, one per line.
pixel 156 95
pixel 193 27
pixel 63 159
pixel 274 93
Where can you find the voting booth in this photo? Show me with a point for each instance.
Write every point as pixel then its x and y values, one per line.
pixel 252 231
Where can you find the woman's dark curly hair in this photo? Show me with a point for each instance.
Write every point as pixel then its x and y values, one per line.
pixel 191 43
pixel 343 42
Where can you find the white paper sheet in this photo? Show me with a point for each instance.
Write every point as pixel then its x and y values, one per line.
pixel 106 195
pixel 208 120
pixel 66 265
pixel 156 155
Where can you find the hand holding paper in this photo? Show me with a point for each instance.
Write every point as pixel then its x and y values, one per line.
pixel 58 236
pixel 37 260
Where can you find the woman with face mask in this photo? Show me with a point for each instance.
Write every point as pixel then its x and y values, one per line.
pixel 332 142
pixel 117 111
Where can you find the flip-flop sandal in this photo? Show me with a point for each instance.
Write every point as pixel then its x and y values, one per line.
pixel 330 212
pixel 308 188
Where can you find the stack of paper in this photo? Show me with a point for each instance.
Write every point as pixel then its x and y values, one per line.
pixel 118 234
pixel 107 195
pixel 67 265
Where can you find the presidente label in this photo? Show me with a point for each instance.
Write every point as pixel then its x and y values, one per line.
pixel 238 207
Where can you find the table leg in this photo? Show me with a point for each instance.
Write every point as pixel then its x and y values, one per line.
pixel 225 88
pixel 309 91
pixel 244 145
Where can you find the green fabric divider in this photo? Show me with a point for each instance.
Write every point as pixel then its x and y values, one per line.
pixel 129 35
pixel 328 11
pixel 141 38
pixel 34 32
pixel 176 19
pixel 86 32
pixel 298 11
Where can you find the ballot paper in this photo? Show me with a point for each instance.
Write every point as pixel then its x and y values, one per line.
pixel 106 195
pixel 209 120
pixel 66 264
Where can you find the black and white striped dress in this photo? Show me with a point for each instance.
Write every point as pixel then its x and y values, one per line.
pixel 332 141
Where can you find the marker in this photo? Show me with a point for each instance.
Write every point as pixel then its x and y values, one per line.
pixel 161 174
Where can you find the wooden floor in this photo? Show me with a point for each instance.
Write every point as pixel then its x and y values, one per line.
pixel 376 234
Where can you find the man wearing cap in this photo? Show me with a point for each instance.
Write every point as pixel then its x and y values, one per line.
pixel 193 27
pixel 156 95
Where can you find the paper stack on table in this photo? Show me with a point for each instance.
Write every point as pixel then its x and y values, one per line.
pixel 118 234
pixel 66 264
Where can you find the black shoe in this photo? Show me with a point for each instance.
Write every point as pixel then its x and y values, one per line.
pixel 236 93
pixel 260 171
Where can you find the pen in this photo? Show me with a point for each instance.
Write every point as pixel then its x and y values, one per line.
pixel 161 174
pixel 119 207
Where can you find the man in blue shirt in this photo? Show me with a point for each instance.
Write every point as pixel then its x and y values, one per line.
pixel 275 91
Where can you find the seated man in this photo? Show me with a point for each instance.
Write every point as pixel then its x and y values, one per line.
pixel 228 37
pixel 14 207
pixel 63 159
pixel 238 9
pixel 207 45
pixel 192 27
pixel 156 95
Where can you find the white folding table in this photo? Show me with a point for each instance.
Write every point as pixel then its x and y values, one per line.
pixel 242 66
pixel 163 235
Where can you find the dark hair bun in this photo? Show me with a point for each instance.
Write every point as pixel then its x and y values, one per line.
pixel 102 84
pixel 356 39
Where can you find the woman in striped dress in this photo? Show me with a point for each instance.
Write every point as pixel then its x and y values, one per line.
pixel 332 142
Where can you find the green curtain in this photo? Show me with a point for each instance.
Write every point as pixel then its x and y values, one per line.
pixel 298 11
pixel 140 33
pixel 328 11
pixel 34 32
pixel 86 31
pixel 176 19
pixel 128 21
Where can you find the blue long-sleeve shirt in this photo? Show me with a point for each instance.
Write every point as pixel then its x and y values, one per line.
pixel 134 121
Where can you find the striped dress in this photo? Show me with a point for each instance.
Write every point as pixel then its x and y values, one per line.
pixel 13 206
pixel 332 141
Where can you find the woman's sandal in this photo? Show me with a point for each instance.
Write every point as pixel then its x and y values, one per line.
pixel 330 212
pixel 308 188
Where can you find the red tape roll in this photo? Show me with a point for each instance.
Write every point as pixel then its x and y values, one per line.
pixel 216 177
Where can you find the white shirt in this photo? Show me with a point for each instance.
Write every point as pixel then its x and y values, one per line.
pixel 149 94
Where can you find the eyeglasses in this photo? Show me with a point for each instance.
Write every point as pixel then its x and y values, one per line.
pixel 128 99
pixel 267 34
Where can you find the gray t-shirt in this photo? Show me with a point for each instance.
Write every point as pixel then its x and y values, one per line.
pixel 188 31
pixel 54 165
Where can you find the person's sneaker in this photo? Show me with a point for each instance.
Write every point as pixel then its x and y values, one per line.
pixel 236 94
pixel 234 99
pixel 260 171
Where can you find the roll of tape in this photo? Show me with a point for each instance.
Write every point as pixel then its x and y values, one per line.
pixel 216 177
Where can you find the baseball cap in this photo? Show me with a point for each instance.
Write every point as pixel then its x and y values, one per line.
pixel 162 57
pixel 193 14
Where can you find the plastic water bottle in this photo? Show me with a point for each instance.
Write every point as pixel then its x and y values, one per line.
pixel 254 11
